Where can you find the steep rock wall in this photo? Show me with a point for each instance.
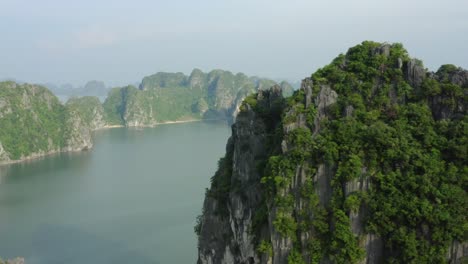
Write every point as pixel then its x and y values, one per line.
pixel 308 199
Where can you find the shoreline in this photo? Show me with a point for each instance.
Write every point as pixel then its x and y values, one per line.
pixel 34 156
pixel 175 122
pixel 161 123
pixel 109 126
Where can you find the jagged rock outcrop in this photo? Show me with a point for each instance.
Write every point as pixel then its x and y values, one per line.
pixel 457 253
pixel 445 101
pixel 414 72
pixel 452 74
pixel 222 236
pixel 83 116
pixel 225 231
pixel 78 133
pixel 325 98
pixel 327 176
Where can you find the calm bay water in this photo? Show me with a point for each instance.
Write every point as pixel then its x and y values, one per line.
pixel 132 199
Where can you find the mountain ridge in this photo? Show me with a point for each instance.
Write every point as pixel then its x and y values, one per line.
pixel 34 123
pixel 165 96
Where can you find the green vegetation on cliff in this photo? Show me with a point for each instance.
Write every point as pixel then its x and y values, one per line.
pixel 31 119
pixel 383 130
pixel 89 108
pixel 34 122
pixel 176 103
pixel 377 147
pixel 416 163
pixel 114 106
pixel 174 96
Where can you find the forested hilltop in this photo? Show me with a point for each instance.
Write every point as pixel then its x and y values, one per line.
pixel 34 123
pixel 366 163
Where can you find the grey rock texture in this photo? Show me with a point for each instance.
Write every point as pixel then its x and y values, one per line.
pixel 325 98
pixel 226 237
pixel 414 73
pixel 135 114
pixel 442 110
pixel 445 105
pixel 383 49
pixel 79 136
pixel 88 108
pixel 457 253
pixel 458 76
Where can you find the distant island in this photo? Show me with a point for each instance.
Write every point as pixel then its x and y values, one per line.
pixel 35 123
pixel 91 88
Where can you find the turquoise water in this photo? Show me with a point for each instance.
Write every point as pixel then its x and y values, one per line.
pixel 133 198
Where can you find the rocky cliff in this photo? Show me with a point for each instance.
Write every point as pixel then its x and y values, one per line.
pixel 366 163
pixel 83 115
pixel 164 97
pixel 34 123
pixel 89 109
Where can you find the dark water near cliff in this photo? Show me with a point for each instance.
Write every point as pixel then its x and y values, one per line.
pixel 132 199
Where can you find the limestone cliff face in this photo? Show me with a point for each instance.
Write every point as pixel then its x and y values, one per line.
pixel 443 105
pixel 226 226
pixel 83 116
pixel 138 109
pixel 285 193
pixel 89 109
pixel 78 133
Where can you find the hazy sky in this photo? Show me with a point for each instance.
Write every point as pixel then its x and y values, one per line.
pixel 122 41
